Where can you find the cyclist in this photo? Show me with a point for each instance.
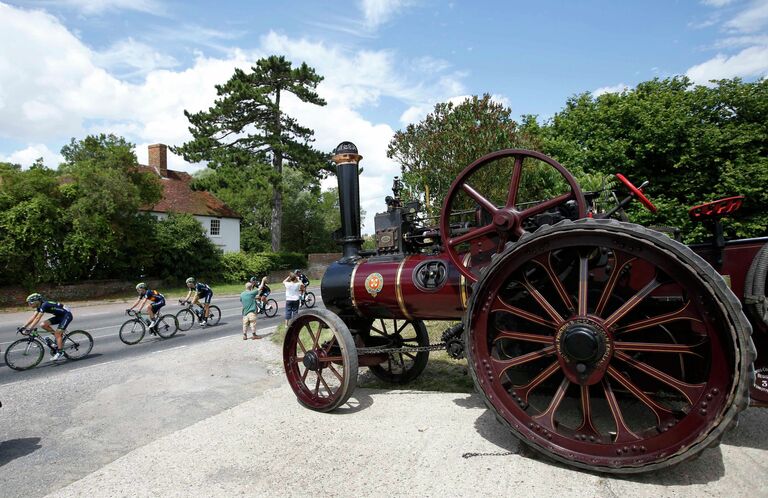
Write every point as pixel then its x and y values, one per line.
pixel 61 317
pixel 264 290
pixel 201 291
pixel 154 301
pixel 304 281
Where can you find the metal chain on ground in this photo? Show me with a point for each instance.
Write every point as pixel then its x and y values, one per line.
pixel 406 349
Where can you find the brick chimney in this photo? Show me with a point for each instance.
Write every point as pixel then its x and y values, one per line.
pixel 158 158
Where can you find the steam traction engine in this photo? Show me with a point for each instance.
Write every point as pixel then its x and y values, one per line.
pixel 602 344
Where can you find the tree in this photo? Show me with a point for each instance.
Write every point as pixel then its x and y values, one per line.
pixel 311 216
pixel 694 143
pixel 433 152
pixel 247 125
pixel 181 249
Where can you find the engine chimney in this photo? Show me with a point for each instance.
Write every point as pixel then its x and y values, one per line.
pixel 158 158
pixel 346 159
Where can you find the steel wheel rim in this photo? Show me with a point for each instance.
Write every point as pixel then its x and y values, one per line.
pixel 705 400
pixel 308 337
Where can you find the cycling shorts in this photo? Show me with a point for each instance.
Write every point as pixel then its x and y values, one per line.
pixel 265 293
pixel 206 297
pixel 62 321
pixel 157 305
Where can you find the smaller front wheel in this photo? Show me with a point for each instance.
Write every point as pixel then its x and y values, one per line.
pixel 132 332
pixel 185 319
pixel 270 308
pixel 214 315
pixel 309 300
pixel 166 327
pixel 77 344
pixel 24 354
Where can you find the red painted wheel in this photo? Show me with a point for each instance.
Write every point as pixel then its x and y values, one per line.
pixel 320 360
pixel 609 346
pixel 637 193
pixel 502 192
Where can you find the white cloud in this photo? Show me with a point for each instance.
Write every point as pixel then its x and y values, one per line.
pixel 717 3
pixel 621 87
pixel 742 41
pixel 94 7
pixel 26 157
pixel 132 58
pixel 750 62
pixel 752 19
pixel 378 12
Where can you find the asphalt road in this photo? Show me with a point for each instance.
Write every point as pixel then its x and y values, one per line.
pixel 104 321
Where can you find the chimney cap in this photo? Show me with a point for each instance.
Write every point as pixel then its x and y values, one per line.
pixel 345 148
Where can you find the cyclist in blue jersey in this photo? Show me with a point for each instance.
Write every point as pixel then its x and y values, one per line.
pixel 154 301
pixel 61 317
pixel 304 282
pixel 264 289
pixel 201 291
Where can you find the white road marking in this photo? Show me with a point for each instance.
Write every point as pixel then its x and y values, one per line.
pixel 169 349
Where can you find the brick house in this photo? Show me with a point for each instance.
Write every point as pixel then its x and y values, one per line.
pixel 222 224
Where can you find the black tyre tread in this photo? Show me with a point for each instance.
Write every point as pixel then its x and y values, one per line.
pixel 39 358
pixel 422 358
pixel 740 325
pixel 350 350
pixel 130 322
pixel 78 333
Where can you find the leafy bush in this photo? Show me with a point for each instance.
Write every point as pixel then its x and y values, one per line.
pixel 182 249
pixel 240 266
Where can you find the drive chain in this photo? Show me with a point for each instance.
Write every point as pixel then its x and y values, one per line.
pixel 406 349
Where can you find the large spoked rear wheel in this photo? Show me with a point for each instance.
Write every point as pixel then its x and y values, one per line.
pixel 132 331
pixel 400 368
pixel 185 319
pixel 77 344
pixel 167 326
pixel 320 360
pixel 24 354
pixel 609 346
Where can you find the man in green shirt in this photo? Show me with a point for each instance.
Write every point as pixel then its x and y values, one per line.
pixel 248 300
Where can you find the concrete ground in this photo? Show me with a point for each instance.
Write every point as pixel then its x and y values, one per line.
pixel 384 443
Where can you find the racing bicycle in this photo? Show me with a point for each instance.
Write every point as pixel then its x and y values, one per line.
pixel 132 331
pixel 187 316
pixel 307 299
pixel 28 351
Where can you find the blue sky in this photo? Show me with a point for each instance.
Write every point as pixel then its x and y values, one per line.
pixel 73 67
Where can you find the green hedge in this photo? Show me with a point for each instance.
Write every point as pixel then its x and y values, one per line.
pixel 240 266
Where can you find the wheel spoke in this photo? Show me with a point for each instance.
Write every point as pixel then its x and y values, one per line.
pixel 328 359
pixel 692 392
pixel 301 344
pixel 514 184
pixel 583 281
pixel 662 413
pixel 657 347
pixel 325 384
pixel 502 366
pixel 503 238
pixel 398 330
pixel 471 235
pixel 500 305
pixel 335 372
pixel 587 425
pixel 547 418
pixel 623 433
pixel 317 383
pixel 525 337
pixel 545 206
pixel 621 260
pixel 548 308
pixel 545 262
pixel 409 355
pixel 685 313
pixel 478 197
pixel 632 302
pixel 525 391
pixel 304 375
pixel 327 349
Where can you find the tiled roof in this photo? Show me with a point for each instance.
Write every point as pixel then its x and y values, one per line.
pixel 178 197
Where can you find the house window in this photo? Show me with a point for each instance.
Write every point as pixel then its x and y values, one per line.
pixel 215 228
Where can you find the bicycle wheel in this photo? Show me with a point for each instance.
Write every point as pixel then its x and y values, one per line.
pixel 77 344
pixel 309 300
pixel 132 331
pixel 214 315
pixel 270 308
pixel 24 354
pixel 185 319
pixel 167 326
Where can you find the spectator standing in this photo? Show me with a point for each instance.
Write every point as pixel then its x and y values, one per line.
pixel 248 300
pixel 293 290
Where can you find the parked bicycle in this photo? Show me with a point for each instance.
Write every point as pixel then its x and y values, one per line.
pixel 186 317
pixel 28 351
pixel 307 299
pixel 132 331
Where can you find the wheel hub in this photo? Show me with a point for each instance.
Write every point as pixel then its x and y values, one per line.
pixel 584 350
pixel 311 361
pixel 504 221
pixel 582 344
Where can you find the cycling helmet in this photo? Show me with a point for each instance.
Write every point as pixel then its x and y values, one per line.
pixel 297 271
pixel 254 280
pixel 34 297
pixel 191 280
pixel 141 286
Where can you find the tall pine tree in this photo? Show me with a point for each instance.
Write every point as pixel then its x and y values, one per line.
pixel 246 122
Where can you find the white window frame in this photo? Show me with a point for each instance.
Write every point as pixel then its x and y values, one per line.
pixel 218 228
